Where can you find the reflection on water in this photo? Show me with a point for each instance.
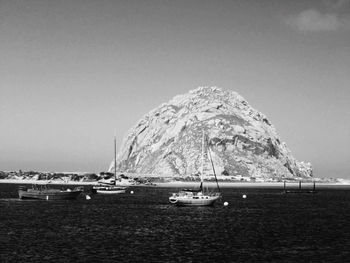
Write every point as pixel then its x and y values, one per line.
pixel 143 227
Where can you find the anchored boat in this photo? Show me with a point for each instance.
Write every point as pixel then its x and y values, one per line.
pixel 42 192
pixel 197 197
pixel 193 197
pixel 109 189
pixel 104 188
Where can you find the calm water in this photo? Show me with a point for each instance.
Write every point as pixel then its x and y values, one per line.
pixel 143 227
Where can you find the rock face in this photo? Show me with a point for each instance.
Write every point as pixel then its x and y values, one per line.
pixel 243 142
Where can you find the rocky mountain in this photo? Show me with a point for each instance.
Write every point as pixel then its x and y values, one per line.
pixel 243 142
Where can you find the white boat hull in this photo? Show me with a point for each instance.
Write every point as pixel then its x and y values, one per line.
pixel 194 200
pixel 110 192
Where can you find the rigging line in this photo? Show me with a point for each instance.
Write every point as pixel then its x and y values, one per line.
pixel 212 165
pixel 115 160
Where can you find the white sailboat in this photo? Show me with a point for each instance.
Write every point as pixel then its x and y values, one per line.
pixel 108 188
pixel 197 197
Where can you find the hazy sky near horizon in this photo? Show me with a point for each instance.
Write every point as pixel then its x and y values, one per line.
pixel 73 73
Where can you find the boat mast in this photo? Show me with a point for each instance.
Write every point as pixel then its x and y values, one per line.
pixel 212 165
pixel 202 165
pixel 115 160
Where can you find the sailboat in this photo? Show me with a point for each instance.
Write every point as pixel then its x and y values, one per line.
pixel 197 197
pixel 108 188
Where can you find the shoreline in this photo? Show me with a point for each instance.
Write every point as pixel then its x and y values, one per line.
pixel 53 182
pixel 280 185
pixel 184 184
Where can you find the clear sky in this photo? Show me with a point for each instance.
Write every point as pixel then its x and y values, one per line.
pixel 73 73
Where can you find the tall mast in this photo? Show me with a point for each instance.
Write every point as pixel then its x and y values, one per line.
pixel 202 165
pixel 212 165
pixel 115 160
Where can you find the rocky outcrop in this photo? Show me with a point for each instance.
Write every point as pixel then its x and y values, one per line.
pixel 243 142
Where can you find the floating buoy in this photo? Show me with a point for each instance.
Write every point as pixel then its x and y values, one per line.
pixel 244 196
pixel 225 203
pixel 131 192
pixel 87 197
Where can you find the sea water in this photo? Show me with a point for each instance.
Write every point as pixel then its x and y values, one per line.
pixel 265 226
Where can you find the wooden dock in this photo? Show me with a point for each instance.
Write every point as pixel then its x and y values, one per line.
pixel 299 190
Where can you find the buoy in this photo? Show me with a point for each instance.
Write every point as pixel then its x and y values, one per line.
pixel 131 192
pixel 87 197
pixel 244 196
pixel 225 203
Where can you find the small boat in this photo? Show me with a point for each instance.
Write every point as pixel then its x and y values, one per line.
pixel 42 192
pixel 197 197
pixel 193 197
pixel 111 189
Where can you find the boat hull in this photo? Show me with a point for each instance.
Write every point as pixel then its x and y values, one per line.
pixel 49 194
pixel 109 190
pixel 193 201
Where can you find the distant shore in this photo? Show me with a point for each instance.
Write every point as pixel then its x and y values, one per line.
pixel 29 181
pixel 251 185
pixel 184 184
